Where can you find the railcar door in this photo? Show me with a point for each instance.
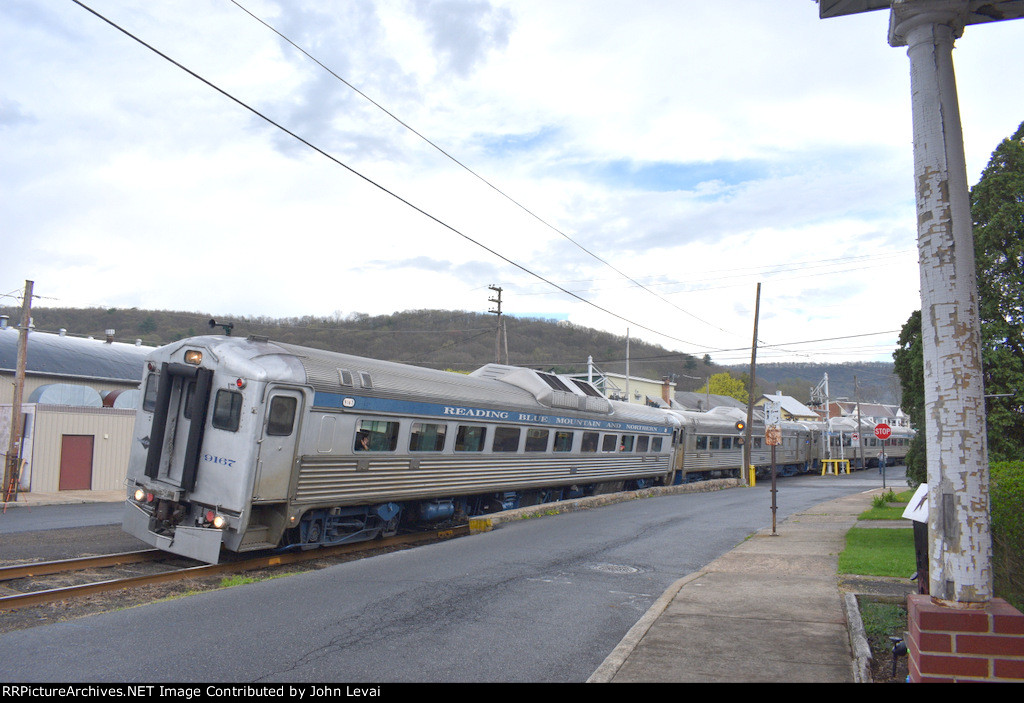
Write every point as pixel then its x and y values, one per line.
pixel 179 420
pixel 278 443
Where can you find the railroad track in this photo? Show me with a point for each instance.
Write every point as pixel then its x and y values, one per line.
pixel 38 569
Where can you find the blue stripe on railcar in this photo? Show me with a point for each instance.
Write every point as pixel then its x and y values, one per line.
pixel 323 399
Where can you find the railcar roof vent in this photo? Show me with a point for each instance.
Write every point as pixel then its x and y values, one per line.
pixel 549 389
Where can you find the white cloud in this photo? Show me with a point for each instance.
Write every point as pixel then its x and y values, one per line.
pixel 696 147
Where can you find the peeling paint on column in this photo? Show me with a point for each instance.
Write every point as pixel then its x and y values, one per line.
pixel 960 550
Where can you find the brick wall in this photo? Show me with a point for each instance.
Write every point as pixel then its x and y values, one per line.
pixel 964 644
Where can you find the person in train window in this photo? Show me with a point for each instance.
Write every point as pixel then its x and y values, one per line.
pixel 362 442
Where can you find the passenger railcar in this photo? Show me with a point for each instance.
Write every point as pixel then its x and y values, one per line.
pixel 864 450
pixel 710 445
pixel 247 444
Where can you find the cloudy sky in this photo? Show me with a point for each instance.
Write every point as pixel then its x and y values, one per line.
pixel 631 166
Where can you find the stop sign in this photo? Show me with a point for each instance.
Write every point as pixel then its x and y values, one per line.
pixel 882 430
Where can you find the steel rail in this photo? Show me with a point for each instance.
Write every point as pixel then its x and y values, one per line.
pixel 24 600
pixel 43 568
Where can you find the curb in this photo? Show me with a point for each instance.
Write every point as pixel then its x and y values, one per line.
pixel 858 640
pixel 486 523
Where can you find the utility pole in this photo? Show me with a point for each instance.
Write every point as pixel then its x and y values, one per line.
pixel 750 398
pixel 12 466
pixel 498 329
pixel 860 425
pixel 627 366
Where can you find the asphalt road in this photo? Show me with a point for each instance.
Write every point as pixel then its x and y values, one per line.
pixel 541 600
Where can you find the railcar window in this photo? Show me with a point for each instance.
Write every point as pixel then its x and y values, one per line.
pixel 642 443
pixel 726 442
pixel 382 435
pixel 714 443
pixel 589 443
pixel 627 443
pixel 702 442
pixel 281 416
pixel 758 442
pixel 149 399
pixel 427 437
pixel 563 441
pixel 610 443
pixel 656 444
pixel 190 389
pixel 470 438
pixel 537 440
pixel 506 439
pixel 227 410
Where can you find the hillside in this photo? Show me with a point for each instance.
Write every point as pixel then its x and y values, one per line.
pixel 464 341
pixel 875 381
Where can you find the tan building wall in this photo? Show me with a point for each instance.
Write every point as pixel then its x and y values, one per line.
pixel 111 432
pixel 639 388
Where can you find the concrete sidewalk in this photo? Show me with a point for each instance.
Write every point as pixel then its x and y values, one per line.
pixel 771 610
pixel 29 500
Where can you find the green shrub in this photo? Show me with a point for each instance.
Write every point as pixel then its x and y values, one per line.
pixel 1006 495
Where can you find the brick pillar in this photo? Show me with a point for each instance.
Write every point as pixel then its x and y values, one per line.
pixel 957 644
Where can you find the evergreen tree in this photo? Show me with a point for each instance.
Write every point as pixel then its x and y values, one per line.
pixel 997 209
pixel 909 366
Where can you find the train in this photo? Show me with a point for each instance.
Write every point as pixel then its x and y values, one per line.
pixel 247 444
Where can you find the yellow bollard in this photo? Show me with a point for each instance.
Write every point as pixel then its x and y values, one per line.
pixel 753 475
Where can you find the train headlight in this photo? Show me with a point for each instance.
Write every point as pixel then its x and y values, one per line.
pixel 140 495
pixel 214 520
pixel 194 357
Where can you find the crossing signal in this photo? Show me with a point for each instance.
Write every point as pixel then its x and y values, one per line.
pixel 740 426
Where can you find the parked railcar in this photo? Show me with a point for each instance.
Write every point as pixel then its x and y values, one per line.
pixel 245 444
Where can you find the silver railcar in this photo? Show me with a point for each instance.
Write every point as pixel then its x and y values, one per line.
pixel 710 445
pixel 246 444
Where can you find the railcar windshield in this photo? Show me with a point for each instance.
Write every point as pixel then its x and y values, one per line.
pixel 227 410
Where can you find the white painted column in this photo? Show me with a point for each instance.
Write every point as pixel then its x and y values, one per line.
pixel 958 517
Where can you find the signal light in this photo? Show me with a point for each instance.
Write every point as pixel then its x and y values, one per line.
pixel 740 426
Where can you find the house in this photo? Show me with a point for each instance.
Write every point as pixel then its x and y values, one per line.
pixel 790 409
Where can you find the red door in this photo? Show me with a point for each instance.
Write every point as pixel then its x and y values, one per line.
pixel 75 463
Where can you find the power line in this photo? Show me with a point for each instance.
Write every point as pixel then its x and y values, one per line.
pixel 370 181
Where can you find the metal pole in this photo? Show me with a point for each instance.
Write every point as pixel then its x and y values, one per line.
pixel 774 490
